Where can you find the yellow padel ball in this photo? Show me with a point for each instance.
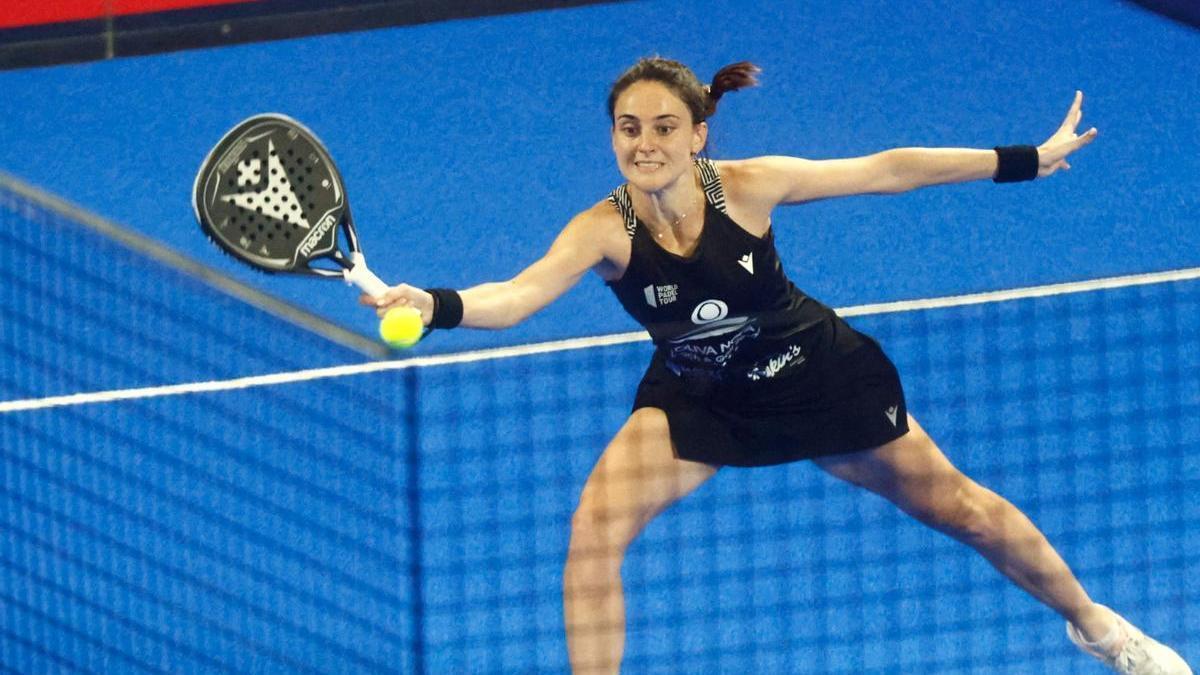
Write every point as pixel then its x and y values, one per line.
pixel 401 327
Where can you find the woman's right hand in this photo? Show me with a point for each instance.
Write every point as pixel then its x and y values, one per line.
pixel 401 296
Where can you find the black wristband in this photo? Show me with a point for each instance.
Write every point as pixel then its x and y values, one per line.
pixel 447 308
pixel 1015 163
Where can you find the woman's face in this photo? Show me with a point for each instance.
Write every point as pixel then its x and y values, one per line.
pixel 653 137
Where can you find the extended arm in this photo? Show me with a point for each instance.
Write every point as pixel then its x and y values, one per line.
pixel 505 303
pixel 769 181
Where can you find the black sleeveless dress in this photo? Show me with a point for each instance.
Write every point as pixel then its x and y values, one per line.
pixel 749 370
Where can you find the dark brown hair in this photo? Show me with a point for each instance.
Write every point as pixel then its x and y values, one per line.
pixel 700 99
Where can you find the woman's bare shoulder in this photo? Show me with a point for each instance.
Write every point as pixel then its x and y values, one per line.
pixel 601 220
pixel 603 228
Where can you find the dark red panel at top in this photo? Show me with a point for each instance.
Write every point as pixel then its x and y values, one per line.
pixel 15 13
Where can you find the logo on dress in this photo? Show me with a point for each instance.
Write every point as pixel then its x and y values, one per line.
pixel 656 296
pixel 747 262
pixel 709 311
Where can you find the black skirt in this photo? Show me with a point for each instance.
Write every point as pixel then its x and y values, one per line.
pixel 845 397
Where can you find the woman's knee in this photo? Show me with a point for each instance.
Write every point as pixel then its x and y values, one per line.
pixel 601 529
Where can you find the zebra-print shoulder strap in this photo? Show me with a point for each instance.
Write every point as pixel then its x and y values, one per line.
pixel 710 180
pixel 620 199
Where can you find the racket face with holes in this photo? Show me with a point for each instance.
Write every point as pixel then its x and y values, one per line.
pixel 269 194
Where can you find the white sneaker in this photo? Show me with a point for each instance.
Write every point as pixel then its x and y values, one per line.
pixel 1140 655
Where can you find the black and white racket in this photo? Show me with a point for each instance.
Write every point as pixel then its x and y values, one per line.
pixel 270 195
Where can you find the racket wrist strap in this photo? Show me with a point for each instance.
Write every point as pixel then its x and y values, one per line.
pixel 1015 163
pixel 447 308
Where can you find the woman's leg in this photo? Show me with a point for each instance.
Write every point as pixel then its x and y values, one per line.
pixel 912 473
pixel 637 477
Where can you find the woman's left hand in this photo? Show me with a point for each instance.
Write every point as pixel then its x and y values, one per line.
pixel 1052 155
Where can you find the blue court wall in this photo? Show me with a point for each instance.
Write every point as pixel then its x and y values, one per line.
pixel 468 144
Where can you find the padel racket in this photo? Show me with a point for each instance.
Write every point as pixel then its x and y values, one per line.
pixel 270 195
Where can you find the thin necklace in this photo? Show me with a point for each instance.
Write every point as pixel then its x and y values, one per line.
pixel 675 224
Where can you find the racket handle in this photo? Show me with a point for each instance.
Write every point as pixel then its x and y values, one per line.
pixel 360 275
